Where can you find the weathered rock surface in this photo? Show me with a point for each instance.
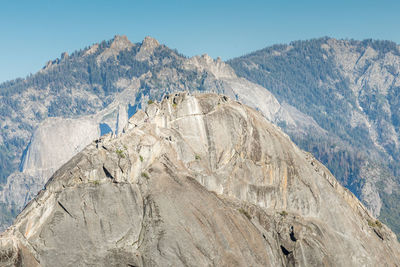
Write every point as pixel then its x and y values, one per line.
pixel 196 181
pixel 168 72
pixel 54 142
pixel 147 48
pixel 351 88
pixel 119 44
pixel 68 135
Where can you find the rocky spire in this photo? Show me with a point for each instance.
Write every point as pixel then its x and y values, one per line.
pixel 150 43
pixel 147 48
pixel 120 43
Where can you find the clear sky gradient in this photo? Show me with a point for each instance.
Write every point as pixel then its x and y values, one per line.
pixel 33 32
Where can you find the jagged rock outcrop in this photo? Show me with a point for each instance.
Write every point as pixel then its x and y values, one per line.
pixel 167 72
pixel 196 180
pixel 119 43
pixel 147 48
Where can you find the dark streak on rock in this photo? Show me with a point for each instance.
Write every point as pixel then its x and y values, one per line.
pixel 61 205
pixel 107 173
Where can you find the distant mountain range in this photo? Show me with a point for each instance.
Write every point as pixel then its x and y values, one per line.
pixel 338 99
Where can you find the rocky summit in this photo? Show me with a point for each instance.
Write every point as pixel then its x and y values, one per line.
pixel 196 180
pixel 86 107
pixel 338 99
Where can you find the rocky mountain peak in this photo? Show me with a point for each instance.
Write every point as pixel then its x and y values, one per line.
pixel 206 63
pixel 185 169
pixel 146 49
pixel 150 43
pixel 119 43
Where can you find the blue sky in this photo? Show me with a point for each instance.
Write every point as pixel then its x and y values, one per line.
pixel 33 32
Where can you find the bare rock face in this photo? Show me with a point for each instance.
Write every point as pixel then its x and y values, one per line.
pixel 196 180
pixel 45 153
pixel 363 111
pixel 147 48
pixel 55 140
pixel 119 44
pixel 53 143
pixel 68 135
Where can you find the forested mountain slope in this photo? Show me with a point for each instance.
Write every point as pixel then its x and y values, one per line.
pixel 352 90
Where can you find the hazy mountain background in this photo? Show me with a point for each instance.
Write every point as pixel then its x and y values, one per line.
pixel 338 99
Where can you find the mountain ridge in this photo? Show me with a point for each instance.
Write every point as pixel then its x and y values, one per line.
pixel 201 170
pixel 109 91
pixel 351 90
